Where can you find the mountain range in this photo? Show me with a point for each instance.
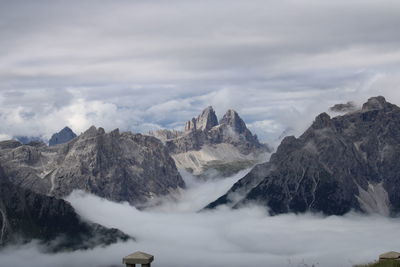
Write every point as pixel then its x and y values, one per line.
pixel 349 162
pixel 117 166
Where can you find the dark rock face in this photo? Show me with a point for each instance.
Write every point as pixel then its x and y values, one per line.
pixel 25 215
pixel 349 162
pixel 205 121
pixel 232 119
pixel 63 136
pixel 117 166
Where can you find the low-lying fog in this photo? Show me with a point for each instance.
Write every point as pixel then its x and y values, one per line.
pixel 180 237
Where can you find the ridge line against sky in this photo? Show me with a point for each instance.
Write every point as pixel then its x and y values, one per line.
pixel 143 65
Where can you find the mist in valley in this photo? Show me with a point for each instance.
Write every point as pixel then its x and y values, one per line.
pixel 178 235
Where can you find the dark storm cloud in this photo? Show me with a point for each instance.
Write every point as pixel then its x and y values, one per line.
pixel 156 63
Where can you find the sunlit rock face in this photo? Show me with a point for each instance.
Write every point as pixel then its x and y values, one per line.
pixel 209 148
pixel 63 136
pixel 26 215
pixel 349 162
pixel 117 166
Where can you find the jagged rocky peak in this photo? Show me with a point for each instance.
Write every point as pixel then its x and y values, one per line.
pixel 223 148
pixel 339 164
pixel 374 103
pixel 93 131
pixel 207 119
pixel 63 136
pixel 204 122
pixel 233 119
pixel 323 120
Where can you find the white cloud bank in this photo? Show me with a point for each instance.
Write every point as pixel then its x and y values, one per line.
pixel 180 237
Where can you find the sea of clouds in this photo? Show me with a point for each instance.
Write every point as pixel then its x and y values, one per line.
pixel 180 236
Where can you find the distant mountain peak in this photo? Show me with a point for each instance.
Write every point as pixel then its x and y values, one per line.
pixel 208 147
pixel 233 119
pixel 63 136
pixel 205 121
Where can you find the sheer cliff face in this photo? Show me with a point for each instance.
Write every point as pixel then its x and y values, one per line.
pixel 204 122
pixel 206 144
pixel 25 215
pixel 338 164
pixel 117 166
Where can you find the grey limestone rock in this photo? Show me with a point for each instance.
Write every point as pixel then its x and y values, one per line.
pixel 207 148
pixel 210 149
pixel 205 130
pixel 349 162
pixel 117 166
pixel 204 122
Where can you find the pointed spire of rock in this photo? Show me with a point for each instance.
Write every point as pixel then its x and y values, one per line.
pixel 233 119
pixel 205 121
pixel 63 136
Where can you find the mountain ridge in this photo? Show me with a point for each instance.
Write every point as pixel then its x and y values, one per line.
pixel 349 162
pixel 117 166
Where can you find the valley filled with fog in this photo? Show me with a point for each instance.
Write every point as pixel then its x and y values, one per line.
pixel 178 235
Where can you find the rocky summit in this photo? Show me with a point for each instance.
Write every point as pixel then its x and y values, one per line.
pixel 63 136
pixel 349 162
pixel 207 147
pixel 26 215
pixel 117 166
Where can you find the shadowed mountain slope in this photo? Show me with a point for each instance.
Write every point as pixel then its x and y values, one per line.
pixel 350 162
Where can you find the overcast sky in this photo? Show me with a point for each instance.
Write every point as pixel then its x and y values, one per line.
pixel 141 65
